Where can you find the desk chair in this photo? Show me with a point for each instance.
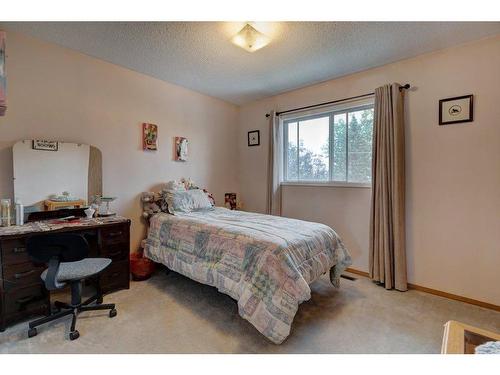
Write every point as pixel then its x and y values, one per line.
pixel 66 256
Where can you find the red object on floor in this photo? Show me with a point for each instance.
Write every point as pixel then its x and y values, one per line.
pixel 141 268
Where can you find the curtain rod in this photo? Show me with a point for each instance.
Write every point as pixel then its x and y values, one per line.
pixel 405 86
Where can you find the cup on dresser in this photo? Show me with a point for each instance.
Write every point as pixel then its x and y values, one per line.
pixel 89 212
pixel 5 212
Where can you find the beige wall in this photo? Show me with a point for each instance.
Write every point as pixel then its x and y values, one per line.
pixel 56 93
pixel 453 172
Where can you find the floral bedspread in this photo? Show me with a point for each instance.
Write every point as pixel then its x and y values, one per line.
pixel 264 262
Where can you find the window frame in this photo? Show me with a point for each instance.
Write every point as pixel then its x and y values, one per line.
pixel 330 113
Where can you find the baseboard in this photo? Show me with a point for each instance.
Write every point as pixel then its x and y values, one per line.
pixel 358 272
pixel 436 292
pixel 456 297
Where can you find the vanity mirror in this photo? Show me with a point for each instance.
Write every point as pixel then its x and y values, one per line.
pixel 49 175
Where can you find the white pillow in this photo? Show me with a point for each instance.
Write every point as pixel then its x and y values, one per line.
pixel 187 201
pixel 175 185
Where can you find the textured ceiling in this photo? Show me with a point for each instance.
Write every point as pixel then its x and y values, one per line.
pixel 199 55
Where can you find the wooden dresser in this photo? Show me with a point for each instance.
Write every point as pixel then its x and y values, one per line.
pixel 22 292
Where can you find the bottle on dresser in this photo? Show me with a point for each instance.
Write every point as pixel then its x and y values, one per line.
pixel 19 212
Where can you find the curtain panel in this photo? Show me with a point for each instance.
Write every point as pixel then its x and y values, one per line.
pixel 275 162
pixel 387 260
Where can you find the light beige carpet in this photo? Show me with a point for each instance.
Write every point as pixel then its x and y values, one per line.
pixel 173 314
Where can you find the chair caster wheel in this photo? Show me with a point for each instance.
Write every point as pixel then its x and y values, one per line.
pixel 58 306
pixel 74 335
pixel 32 332
pixel 112 313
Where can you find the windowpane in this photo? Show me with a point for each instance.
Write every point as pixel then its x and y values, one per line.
pixel 336 146
pixel 314 149
pixel 292 167
pixel 360 145
pixel 339 147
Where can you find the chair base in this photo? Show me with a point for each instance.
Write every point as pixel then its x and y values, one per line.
pixel 63 309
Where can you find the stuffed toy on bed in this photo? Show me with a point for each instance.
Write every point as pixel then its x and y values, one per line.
pixel 188 184
pixel 151 204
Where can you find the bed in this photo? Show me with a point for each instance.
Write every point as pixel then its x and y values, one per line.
pixel 264 262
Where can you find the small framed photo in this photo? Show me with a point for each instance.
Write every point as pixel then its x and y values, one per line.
pixel 230 201
pixel 181 149
pixel 42 145
pixel 254 138
pixel 456 110
pixel 149 137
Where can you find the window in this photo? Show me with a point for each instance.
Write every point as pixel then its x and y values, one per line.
pixel 330 147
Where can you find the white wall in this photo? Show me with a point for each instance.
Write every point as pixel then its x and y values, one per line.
pixel 57 93
pixel 453 172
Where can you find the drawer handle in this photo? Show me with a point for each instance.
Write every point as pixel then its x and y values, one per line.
pixel 115 234
pixel 18 250
pixel 20 275
pixel 113 275
pixel 115 253
pixel 24 300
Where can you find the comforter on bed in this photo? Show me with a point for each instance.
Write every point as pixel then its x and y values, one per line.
pixel 264 262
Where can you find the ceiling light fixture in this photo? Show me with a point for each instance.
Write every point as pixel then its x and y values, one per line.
pixel 250 39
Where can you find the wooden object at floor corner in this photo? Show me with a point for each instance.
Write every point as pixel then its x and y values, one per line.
pixel 460 338
pixel 22 292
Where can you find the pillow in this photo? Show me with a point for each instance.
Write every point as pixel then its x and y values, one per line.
pixel 175 185
pixel 187 201
pixel 210 197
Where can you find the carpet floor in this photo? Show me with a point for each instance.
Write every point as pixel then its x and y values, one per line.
pixel 173 314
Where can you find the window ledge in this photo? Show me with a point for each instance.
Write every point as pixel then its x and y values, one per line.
pixel 328 184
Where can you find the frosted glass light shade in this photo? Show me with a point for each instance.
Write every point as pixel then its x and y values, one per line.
pixel 250 39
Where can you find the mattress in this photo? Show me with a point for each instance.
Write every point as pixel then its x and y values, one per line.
pixel 264 262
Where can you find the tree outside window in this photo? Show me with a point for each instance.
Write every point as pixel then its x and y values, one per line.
pixel 332 147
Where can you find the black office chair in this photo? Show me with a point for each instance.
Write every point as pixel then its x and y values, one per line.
pixel 65 254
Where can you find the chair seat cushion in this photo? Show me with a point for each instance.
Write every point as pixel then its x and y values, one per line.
pixel 79 270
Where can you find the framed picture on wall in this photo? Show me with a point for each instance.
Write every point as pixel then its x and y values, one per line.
pixel 456 110
pixel 254 138
pixel 43 145
pixel 181 149
pixel 149 137
pixel 230 201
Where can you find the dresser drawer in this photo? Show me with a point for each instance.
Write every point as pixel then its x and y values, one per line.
pixel 116 276
pixel 116 234
pixel 25 300
pixel 116 252
pixel 21 275
pixel 14 251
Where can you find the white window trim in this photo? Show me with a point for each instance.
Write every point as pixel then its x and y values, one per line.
pixel 339 107
pixel 339 184
pixel 331 111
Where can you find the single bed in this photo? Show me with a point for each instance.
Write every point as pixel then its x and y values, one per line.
pixel 264 262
